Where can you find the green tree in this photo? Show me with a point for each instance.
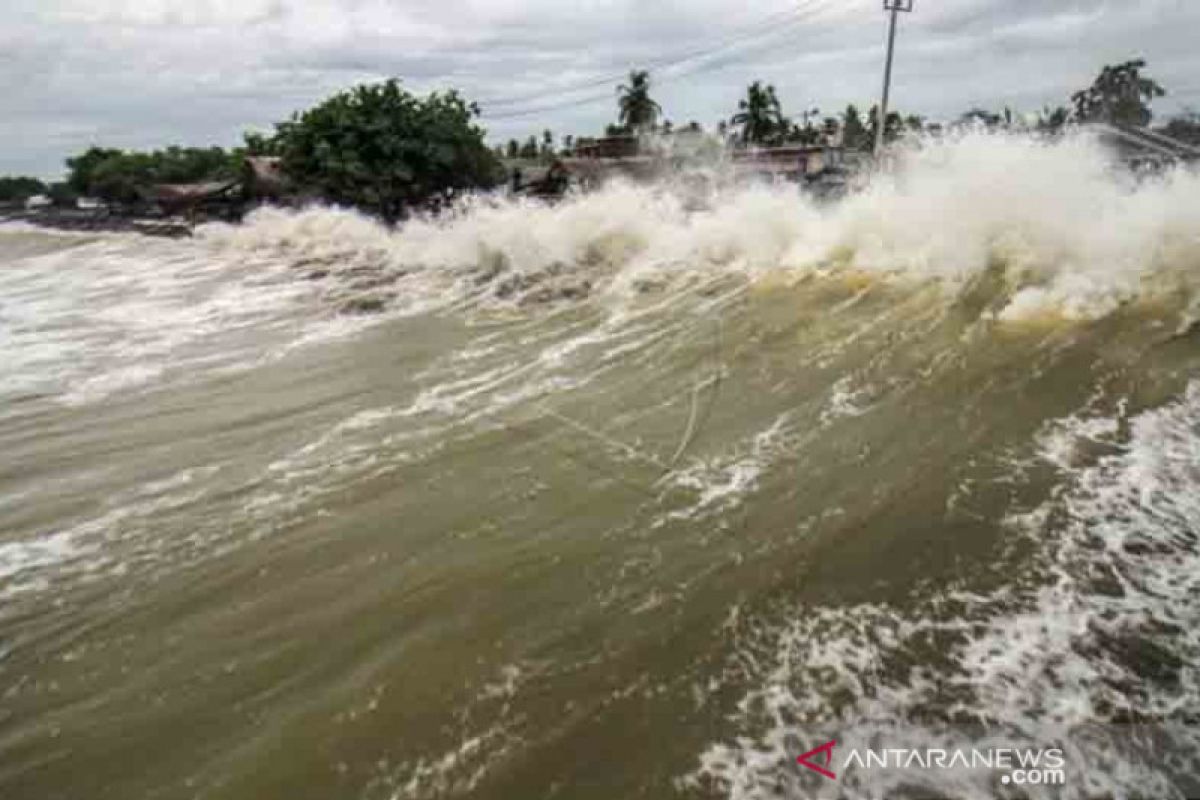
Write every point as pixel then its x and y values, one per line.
pixel 892 128
pixel 119 176
pixel 20 189
pixel 1185 127
pixel 760 116
pixel 62 195
pixel 1053 120
pixel 260 144
pixel 1120 95
pixel 380 148
pixel 117 179
pixel 530 148
pixel 81 169
pixel 512 149
pixel 981 116
pixel 854 133
pixel 637 111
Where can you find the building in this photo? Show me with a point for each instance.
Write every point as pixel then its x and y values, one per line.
pixel 207 199
pixel 796 163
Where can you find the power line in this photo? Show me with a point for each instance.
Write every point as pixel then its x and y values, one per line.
pixel 711 60
pixel 705 57
pixel 765 25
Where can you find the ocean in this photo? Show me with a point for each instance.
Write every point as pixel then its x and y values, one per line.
pixel 642 494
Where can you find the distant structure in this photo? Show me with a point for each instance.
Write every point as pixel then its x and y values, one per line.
pixel 263 180
pixel 789 163
pixel 621 155
pixel 207 200
pixel 608 147
pixel 1143 148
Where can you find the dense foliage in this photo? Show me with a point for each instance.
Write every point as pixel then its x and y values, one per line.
pixel 1185 128
pixel 20 189
pixel 760 116
pixel 637 112
pixel 1120 95
pixel 383 149
pixel 117 175
pixel 380 148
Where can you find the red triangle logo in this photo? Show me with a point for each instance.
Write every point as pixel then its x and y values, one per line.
pixel 827 751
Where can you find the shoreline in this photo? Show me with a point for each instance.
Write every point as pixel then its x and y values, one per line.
pixel 76 221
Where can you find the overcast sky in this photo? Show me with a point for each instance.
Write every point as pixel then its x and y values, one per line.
pixel 144 73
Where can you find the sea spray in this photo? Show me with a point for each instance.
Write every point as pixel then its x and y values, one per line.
pixel 1067 231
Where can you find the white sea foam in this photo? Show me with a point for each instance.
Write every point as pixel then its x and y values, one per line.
pixel 23 556
pixel 121 312
pixel 1068 237
pixel 1100 627
pixel 1071 237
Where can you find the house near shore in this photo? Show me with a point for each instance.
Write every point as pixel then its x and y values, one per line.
pixel 621 146
pixel 1143 148
pixel 207 199
pixel 261 180
pixel 798 163
pixel 594 161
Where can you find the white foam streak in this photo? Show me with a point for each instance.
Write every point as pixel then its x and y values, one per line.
pixel 1072 236
pixel 1100 627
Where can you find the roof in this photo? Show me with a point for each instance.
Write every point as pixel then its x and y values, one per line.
pixel 266 173
pixel 189 192
pixel 768 154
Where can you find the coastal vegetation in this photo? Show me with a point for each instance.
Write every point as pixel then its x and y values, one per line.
pixel 385 150
pixel 1121 95
pixel 120 176
pixel 760 116
pixel 637 111
pixel 18 189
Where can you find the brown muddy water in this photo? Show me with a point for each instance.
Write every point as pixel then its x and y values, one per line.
pixel 612 499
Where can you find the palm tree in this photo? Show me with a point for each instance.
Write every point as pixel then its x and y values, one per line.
pixel 638 112
pixel 854 133
pixel 1053 120
pixel 760 115
pixel 1119 95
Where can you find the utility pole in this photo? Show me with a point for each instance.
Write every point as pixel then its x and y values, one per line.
pixel 895 7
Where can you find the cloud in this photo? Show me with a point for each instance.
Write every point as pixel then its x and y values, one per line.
pixel 141 73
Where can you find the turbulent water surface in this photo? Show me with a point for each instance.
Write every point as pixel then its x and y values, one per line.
pixel 639 495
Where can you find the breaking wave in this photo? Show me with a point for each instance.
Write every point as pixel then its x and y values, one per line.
pixel 1055 228
pixel 498 476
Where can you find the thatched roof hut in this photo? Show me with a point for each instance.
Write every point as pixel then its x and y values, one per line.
pixel 179 198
